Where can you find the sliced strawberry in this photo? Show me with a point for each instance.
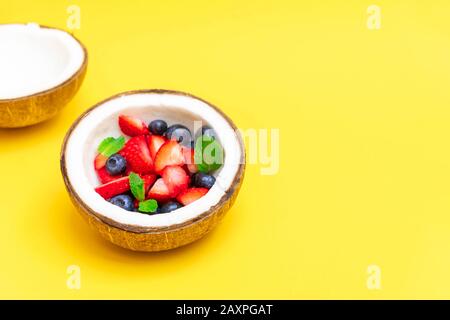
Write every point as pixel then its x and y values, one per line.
pixel 105 177
pixel 113 188
pixel 190 195
pixel 132 126
pixel 128 171
pixel 189 160
pixel 159 191
pixel 155 143
pixel 137 155
pixel 176 179
pixel 100 161
pixel 170 154
pixel 149 179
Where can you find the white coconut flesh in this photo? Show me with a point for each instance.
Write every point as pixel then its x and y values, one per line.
pixel 101 122
pixel 34 59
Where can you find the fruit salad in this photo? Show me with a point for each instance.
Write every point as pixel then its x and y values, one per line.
pixel 156 168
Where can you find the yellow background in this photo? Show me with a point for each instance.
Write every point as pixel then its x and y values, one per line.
pixel 364 150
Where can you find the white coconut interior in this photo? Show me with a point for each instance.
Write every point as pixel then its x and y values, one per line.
pixel 102 122
pixel 35 59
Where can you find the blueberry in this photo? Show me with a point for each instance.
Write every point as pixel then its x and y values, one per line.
pixel 179 133
pixel 206 131
pixel 170 206
pixel 124 201
pixel 203 180
pixel 157 127
pixel 116 164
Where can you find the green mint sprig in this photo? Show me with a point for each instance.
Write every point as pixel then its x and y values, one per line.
pixel 148 206
pixel 137 186
pixel 110 146
pixel 208 154
pixel 138 190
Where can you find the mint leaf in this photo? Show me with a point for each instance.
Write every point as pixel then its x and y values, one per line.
pixel 148 206
pixel 213 155
pixel 137 186
pixel 202 168
pixel 208 154
pixel 104 144
pixel 110 146
pixel 198 152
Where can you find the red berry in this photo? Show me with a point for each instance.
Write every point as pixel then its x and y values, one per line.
pixel 132 126
pixel 175 179
pixel 149 179
pixel 113 188
pixel 190 195
pixel 100 161
pixel 137 154
pixel 105 177
pixel 159 191
pixel 170 154
pixel 155 143
pixel 189 160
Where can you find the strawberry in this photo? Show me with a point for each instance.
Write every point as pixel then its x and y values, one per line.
pixel 100 161
pixel 137 155
pixel 106 149
pixel 159 191
pixel 175 179
pixel 190 195
pixel 149 179
pixel 132 126
pixel 188 154
pixel 128 171
pixel 170 154
pixel 113 188
pixel 105 177
pixel 155 143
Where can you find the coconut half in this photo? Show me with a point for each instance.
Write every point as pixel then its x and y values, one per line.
pixel 133 230
pixel 41 69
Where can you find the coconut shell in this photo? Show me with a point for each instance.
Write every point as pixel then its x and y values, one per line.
pixel 41 106
pixel 139 238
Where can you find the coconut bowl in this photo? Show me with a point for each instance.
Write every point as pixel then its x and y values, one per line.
pixel 41 70
pixel 134 230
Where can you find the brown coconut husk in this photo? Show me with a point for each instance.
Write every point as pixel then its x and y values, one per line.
pixel 41 106
pixel 139 238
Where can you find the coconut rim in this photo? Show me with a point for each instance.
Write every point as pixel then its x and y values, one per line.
pixel 75 75
pixel 135 228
